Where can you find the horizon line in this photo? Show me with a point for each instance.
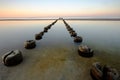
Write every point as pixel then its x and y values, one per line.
pixel 27 19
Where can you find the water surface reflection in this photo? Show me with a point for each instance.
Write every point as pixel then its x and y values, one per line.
pixel 56 53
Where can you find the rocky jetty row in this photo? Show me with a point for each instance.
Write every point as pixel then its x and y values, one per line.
pixel 83 50
pixel 30 44
pixel 97 71
pixel 72 32
pixel 40 35
pixel 15 57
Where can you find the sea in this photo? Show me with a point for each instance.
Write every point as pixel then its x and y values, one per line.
pixel 55 56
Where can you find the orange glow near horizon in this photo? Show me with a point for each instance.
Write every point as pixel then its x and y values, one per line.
pixel 16 13
pixel 58 9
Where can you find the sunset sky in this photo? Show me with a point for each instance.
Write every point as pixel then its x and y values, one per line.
pixel 59 8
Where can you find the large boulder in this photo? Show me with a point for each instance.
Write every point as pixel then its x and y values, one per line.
pixel 12 58
pixel 78 39
pixel 30 44
pixel 99 72
pixel 85 51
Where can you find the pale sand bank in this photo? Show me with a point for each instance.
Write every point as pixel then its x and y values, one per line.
pixel 60 63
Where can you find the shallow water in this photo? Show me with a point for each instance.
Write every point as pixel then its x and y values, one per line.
pixel 55 56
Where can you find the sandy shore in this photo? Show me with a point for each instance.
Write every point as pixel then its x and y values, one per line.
pixel 58 63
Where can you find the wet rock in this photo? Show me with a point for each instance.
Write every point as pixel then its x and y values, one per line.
pixel 49 26
pixel 68 26
pixel 73 34
pixel 12 58
pixel 96 71
pixel 30 44
pixel 78 39
pixel 103 73
pixel 41 33
pixel 72 31
pixel 109 73
pixel 38 36
pixel 53 23
pixel 85 51
pixel 69 29
pixel 46 28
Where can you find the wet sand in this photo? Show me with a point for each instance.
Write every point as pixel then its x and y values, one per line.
pixel 55 63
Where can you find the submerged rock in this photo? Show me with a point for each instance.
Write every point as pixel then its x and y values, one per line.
pixel 69 29
pixel 38 36
pixel 45 30
pixel 78 39
pixel 53 23
pixel 41 33
pixel 73 34
pixel 85 51
pixel 30 44
pixel 103 73
pixel 49 26
pixel 12 58
pixel 72 31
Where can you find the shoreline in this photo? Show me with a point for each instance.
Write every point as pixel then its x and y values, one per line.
pixel 91 19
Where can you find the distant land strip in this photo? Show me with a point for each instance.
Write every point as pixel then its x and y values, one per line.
pixel 97 19
pixel 23 19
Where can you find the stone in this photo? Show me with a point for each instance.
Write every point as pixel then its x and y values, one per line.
pixel 78 39
pixel 69 29
pixel 96 71
pixel 30 44
pixel 105 72
pixel 12 58
pixel 73 34
pixel 42 33
pixel 109 73
pixel 45 30
pixel 85 51
pixel 49 26
pixel 38 36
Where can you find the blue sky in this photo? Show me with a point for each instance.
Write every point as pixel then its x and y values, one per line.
pixel 57 8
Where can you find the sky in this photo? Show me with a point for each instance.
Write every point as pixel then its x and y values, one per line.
pixel 59 8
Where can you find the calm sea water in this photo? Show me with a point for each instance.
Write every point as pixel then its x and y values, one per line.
pixel 97 34
pixel 102 36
